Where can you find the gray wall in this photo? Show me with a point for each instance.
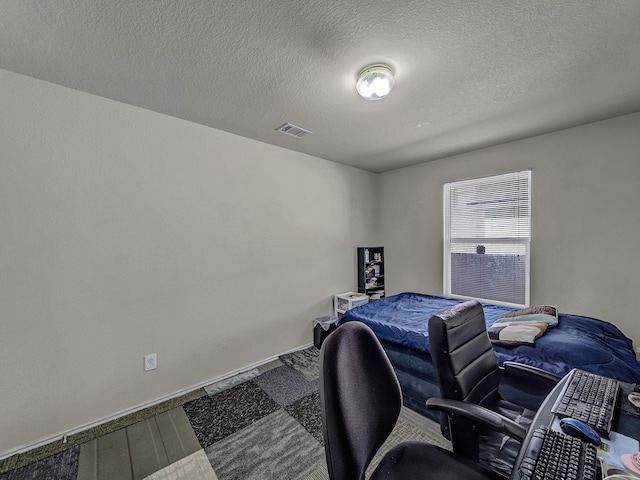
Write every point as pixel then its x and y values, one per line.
pixel 585 226
pixel 124 232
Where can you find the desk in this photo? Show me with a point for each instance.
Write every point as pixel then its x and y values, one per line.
pixel 625 421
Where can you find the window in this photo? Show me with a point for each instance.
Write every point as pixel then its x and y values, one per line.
pixel 487 230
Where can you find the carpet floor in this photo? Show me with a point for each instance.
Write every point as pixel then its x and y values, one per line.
pixel 262 424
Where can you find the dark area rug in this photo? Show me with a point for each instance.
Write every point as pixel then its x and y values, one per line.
pixel 61 466
pixel 268 427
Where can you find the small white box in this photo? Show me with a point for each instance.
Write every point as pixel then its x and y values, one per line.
pixel 346 301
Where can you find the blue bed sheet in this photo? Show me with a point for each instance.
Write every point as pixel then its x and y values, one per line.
pixel 577 342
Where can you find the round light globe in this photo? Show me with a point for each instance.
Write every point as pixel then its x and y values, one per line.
pixel 375 82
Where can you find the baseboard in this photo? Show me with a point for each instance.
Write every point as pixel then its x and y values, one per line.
pixel 61 435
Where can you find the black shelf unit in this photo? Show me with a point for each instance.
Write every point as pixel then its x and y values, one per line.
pixel 371 272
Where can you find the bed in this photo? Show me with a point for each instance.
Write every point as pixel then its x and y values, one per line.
pixel 400 323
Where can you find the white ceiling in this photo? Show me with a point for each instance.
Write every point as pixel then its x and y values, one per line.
pixel 469 74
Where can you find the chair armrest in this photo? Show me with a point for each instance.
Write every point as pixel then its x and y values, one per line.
pixel 514 368
pixel 479 415
pixel 525 385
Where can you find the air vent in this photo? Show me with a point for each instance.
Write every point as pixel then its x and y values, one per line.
pixel 293 130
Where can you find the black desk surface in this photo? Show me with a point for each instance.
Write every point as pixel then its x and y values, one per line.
pixel 626 420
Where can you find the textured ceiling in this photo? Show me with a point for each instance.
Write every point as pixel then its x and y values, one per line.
pixel 469 74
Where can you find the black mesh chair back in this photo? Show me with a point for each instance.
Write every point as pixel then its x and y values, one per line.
pixel 361 400
pixel 358 385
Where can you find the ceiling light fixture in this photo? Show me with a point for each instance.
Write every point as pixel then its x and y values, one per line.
pixel 375 82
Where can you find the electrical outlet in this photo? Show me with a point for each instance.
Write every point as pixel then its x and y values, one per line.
pixel 150 362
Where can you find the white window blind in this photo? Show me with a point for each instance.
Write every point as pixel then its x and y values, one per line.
pixel 487 230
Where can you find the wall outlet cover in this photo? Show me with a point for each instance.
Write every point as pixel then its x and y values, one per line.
pixel 150 362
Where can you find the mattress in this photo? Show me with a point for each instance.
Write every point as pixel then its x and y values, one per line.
pixel 576 342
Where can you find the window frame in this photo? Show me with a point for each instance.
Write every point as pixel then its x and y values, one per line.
pixel 522 241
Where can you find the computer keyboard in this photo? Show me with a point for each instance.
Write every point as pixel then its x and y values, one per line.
pixel 589 398
pixel 554 455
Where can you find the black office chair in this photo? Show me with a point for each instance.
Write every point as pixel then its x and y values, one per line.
pixel 479 421
pixel 360 400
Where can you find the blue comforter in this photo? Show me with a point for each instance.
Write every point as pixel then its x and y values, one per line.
pixel 577 342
